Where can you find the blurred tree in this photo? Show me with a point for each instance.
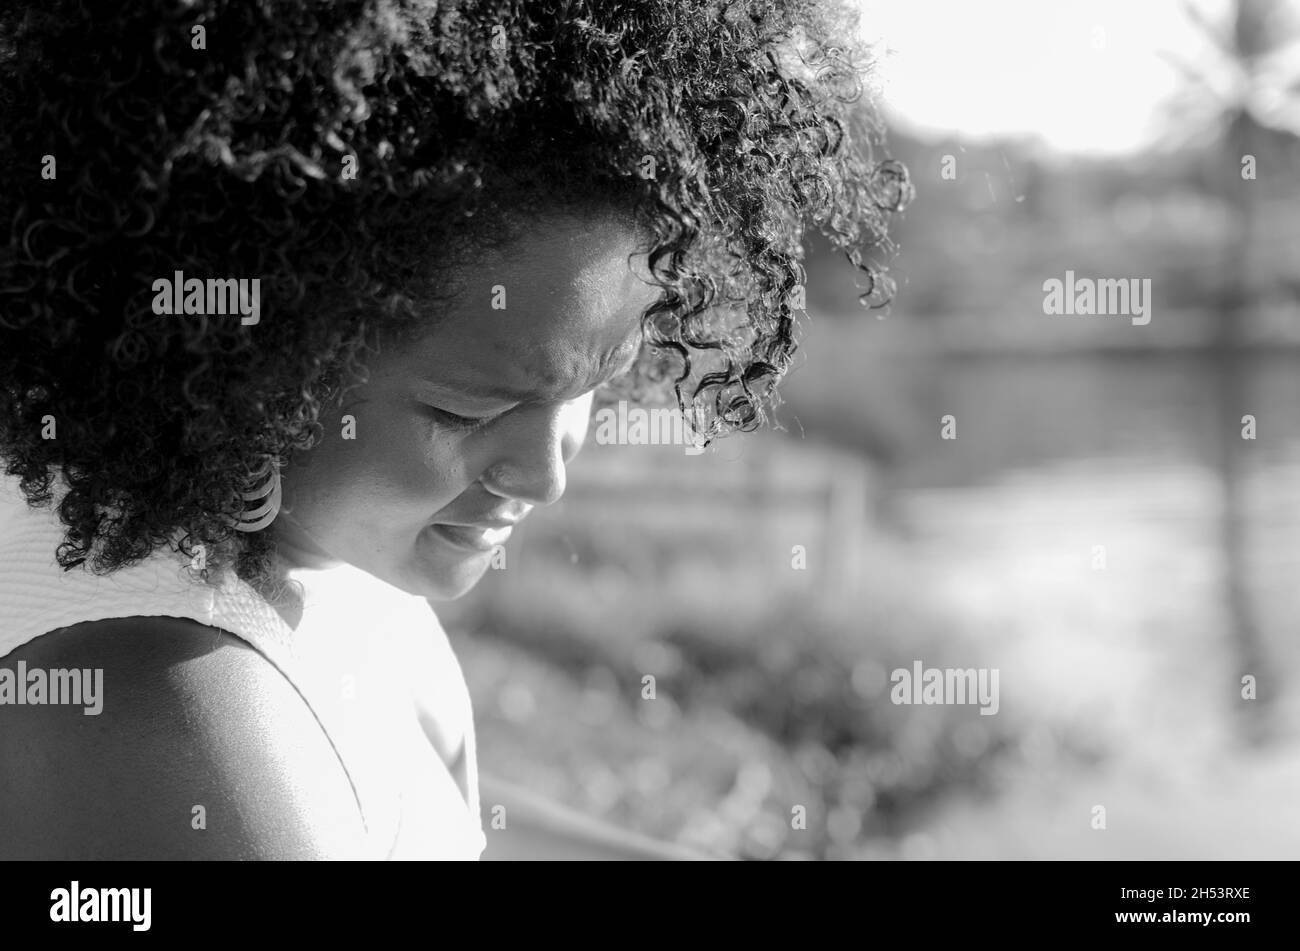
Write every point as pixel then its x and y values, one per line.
pixel 1242 99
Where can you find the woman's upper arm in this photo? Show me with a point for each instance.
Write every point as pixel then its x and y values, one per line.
pixel 202 750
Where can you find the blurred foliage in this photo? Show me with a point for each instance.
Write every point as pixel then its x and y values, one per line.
pixel 765 700
pixel 982 243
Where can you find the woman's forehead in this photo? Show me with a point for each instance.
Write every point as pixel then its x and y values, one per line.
pixel 586 270
pixel 560 306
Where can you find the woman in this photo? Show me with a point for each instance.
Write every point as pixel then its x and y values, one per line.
pixel 303 306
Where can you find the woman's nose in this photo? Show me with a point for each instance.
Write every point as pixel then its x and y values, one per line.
pixel 535 449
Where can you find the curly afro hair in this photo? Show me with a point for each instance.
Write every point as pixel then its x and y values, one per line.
pixel 344 152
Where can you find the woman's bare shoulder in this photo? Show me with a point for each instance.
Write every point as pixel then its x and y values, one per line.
pixel 170 739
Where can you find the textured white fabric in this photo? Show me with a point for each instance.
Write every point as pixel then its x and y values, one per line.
pixel 358 657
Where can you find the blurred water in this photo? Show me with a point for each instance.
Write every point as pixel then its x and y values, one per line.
pixel 1076 523
pixel 1018 411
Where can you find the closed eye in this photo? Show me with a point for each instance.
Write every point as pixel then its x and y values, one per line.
pixel 460 422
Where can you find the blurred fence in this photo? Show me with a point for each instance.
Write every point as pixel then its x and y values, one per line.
pixel 797 508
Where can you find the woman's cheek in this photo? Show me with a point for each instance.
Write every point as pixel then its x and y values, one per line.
pixel 397 461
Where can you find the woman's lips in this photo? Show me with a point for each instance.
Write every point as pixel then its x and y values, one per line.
pixel 471 538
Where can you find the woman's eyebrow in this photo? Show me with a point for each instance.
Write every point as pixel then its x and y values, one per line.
pixel 505 394
pixel 482 391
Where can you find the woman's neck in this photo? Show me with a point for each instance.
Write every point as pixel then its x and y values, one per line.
pixel 293 550
pixel 296 548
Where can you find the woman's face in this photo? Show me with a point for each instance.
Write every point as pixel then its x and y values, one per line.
pixel 461 434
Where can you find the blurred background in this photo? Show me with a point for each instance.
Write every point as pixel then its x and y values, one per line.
pixel 1099 530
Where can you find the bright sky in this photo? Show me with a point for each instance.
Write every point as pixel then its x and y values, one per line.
pixel 1083 75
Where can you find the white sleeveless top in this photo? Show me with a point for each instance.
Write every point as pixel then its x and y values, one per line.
pixel 358 655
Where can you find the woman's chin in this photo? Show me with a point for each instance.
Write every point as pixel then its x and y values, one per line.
pixel 446 575
pixel 449 589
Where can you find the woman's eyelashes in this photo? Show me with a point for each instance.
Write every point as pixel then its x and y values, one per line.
pixel 451 420
pixel 456 421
